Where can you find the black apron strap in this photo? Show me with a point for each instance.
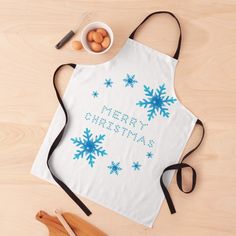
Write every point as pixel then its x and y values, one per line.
pixel 179 168
pixel 55 144
pixel 176 55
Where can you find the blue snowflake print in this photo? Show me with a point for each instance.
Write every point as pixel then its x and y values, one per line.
pixel 108 83
pixel 136 165
pixel 156 102
pixel 130 81
pixel 114 168
pixel 95 94
pixel 149 155
pixel 89 147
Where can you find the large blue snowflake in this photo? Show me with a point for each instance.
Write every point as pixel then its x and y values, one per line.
pixel 136 165
pixel 114 168
pixel 89 147
pixel 130 81
pixel 108 83
pixel 156 101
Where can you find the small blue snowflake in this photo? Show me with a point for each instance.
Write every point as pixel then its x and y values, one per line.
pixel 89 146
pixel 156 102
pixel 95 94
pixel 136 165
pixel 130 81
pixel 149 155
pixel 108 83
pixel 114 168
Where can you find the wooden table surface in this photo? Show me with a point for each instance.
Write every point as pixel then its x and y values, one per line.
pixel 205 82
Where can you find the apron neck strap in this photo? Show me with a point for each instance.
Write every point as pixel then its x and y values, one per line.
pixel 176 55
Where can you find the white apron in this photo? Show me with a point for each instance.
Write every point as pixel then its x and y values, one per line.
pixel 124 129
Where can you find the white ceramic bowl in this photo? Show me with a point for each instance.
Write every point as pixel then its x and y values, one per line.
pixel 91 26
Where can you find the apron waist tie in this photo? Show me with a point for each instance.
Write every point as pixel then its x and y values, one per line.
pixel 55 144
pixel 179 168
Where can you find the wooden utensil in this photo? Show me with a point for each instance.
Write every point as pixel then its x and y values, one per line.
pixel 77 224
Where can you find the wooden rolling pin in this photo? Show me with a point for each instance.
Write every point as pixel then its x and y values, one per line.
pixel 78 225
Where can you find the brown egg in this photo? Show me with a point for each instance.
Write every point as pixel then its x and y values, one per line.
pixel 97 37
pixel 90 35
pixel 77 45
pixel 102 31
pixel 106 42
pixel 96 47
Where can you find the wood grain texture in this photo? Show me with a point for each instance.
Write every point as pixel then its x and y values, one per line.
pixel 205 83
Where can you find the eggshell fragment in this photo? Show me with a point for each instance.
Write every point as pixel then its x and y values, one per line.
pixel 96 47
pixel 97 37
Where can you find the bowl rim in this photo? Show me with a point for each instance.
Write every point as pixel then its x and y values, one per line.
pixel 85 30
